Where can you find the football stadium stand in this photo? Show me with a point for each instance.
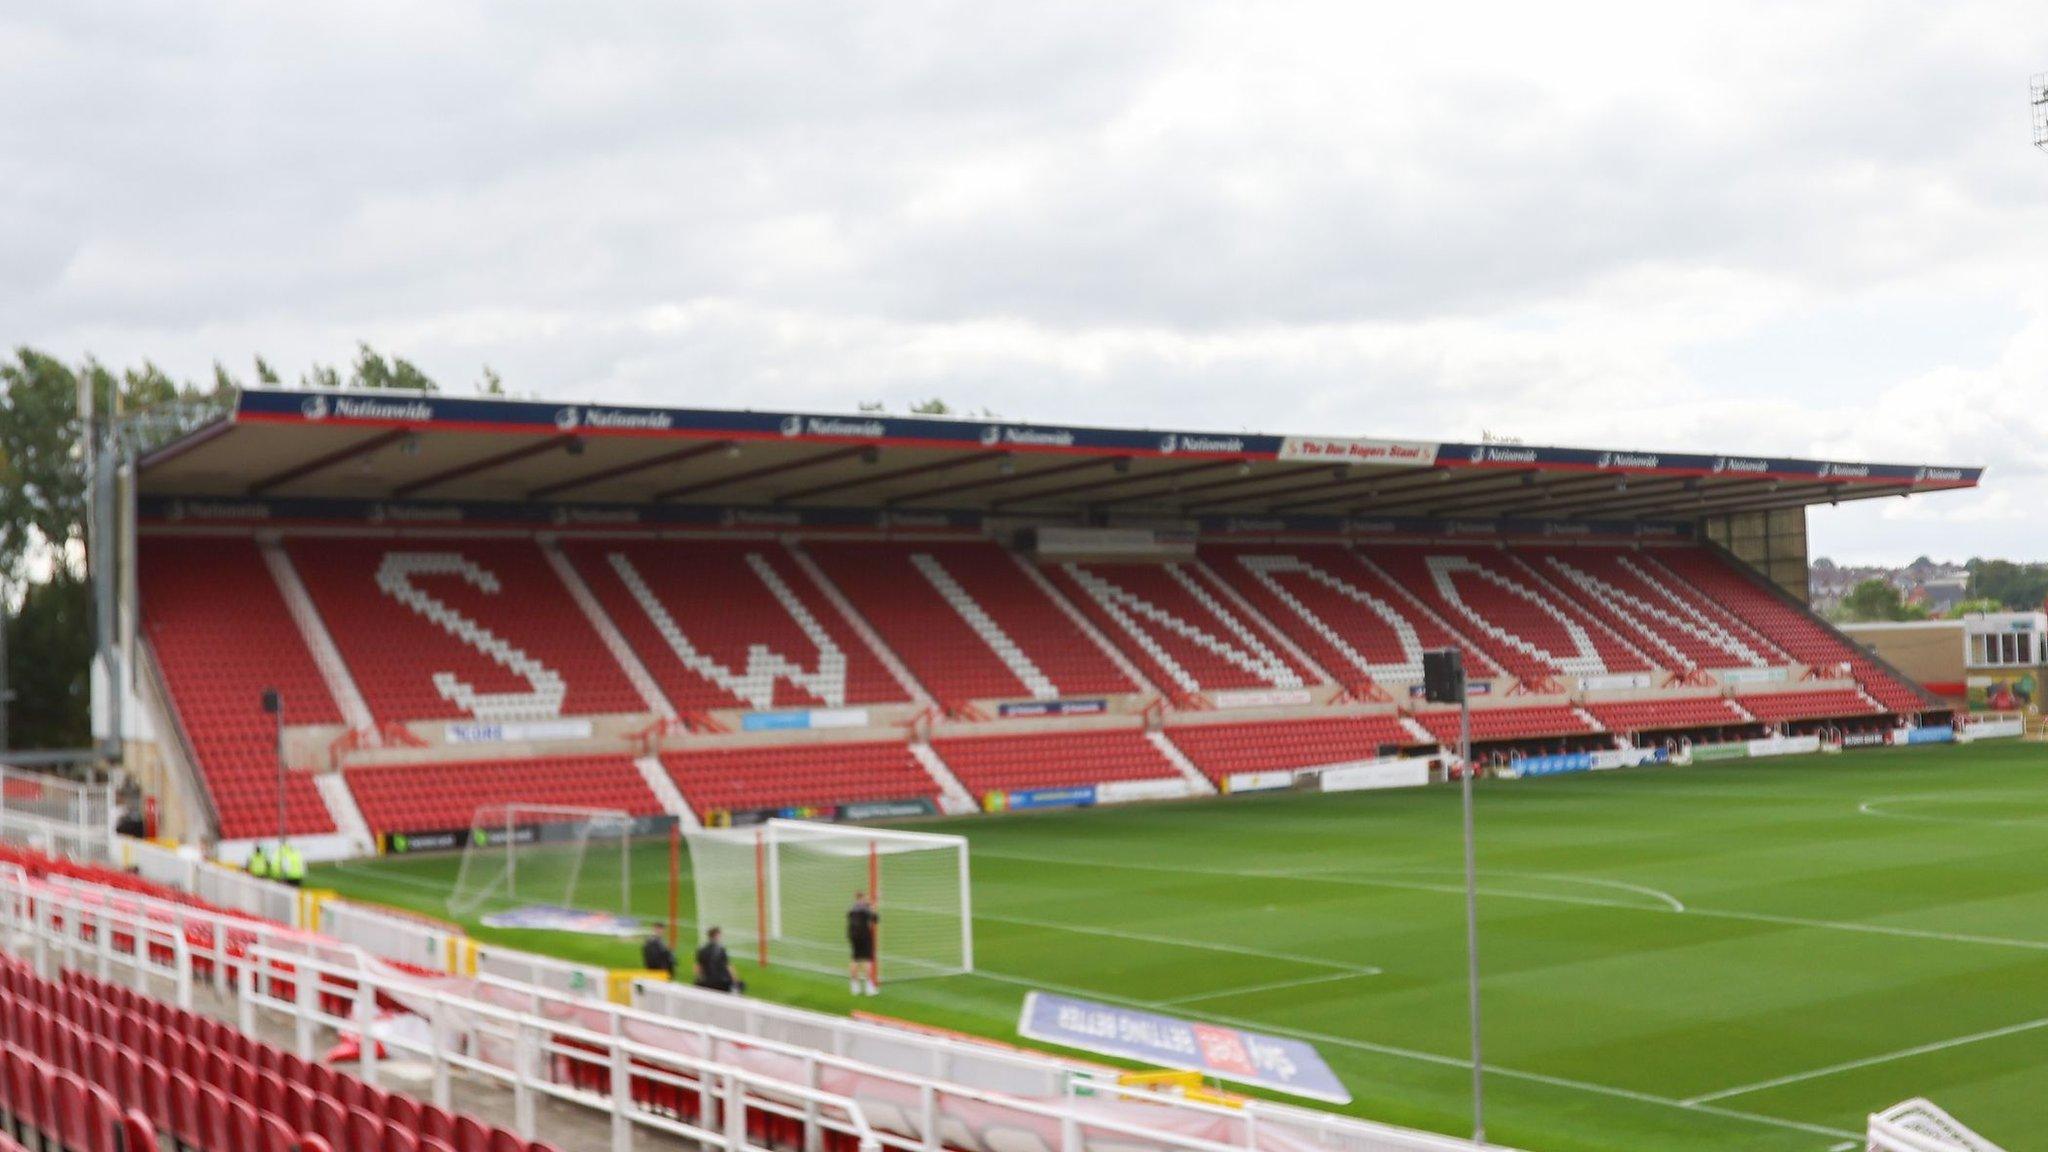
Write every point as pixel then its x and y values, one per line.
pixel 874 612
pixel 988 764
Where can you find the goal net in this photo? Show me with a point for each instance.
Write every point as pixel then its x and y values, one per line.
pixel 548 855
pixel 1917 1125
pixel 780 890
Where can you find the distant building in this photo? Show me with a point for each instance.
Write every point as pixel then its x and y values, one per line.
pixel 1988 661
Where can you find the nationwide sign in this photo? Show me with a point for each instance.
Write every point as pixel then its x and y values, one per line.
pixel 262 406
pixel 1233 1054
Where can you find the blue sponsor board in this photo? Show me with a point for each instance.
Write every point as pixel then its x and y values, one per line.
pixel 1930 735
pixel 1554 765
pixel 774 721
pixel 1080 796
pixel 1278 1063
pixel 1054 708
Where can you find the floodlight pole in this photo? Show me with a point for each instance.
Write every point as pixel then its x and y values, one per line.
pixel 1471 915
pixel 273 703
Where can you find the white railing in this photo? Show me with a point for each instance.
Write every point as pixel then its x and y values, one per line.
pixel 956 1061
pixel 392 935
pixel 223 886
pixel 537 1059
pixel 583 981
pixel 1026 1073
pixel 792 1062
pixel 910 1111
pixel 68 839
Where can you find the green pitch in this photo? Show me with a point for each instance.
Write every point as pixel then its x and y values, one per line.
pixel 1744 955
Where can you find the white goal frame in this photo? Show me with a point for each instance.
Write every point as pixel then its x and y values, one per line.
pixel 504 821
pixel 752 911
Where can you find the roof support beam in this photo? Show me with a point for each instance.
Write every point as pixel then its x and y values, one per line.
pixel 1443 483
pixel 1115 482
pixel 782 469
pixel 618 470
pixel 1828 494
pixel 1013 478
pixel 1750 492
pixel 361 447
pixel 1608 493
pixel 946 465
pixel 1343 486
pixel 1252 481
pixel 484 465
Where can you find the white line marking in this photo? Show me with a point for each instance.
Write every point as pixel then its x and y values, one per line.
pixel 1875 806
pixel 1275 986
pixel 1870 1061
pixel 1552 898
pixel 1426 1057
pixel 1182 942
pixel 1657 894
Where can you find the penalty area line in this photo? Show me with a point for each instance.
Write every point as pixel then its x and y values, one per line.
pixel 1274 986
pixel 1870 1061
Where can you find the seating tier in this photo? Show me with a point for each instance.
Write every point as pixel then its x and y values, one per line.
pixel 797 775
pixel 222 635
pixel 449 629
pixel 1221 750
pixel 967 621
pixel 731 624
pixel 1052 760
pixel 430 797
pixel 1178 626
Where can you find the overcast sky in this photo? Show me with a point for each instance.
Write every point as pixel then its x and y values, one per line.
pixel 1813 228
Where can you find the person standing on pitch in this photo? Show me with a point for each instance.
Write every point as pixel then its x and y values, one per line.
pixel 861 920
pixel 714 966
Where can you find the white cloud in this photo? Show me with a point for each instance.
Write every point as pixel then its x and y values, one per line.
pixel 1757 227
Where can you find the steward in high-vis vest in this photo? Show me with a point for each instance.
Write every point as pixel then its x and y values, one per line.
pixel 291 867
pixel 259 863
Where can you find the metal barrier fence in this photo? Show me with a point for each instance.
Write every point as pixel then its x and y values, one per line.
pixel 583 981
pixel 392 935
pixel 534 1059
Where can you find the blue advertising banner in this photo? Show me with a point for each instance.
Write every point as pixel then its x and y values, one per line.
pixel 1079 796
pixel 1284 1065
pixel 1554 765
pixel 1930 735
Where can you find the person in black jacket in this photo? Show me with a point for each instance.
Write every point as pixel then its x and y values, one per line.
pixel 714 967
pixel 655 956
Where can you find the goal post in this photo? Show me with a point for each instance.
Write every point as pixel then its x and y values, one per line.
pixel 780 891
pixel 546 854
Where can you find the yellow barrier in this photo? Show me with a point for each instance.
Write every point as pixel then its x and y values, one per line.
pixel 1189 1084
pixel 619 984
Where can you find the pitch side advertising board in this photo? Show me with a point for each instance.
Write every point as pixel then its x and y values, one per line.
pixel 1275 1062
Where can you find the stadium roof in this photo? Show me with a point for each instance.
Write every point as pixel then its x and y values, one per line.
pixel 281 446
